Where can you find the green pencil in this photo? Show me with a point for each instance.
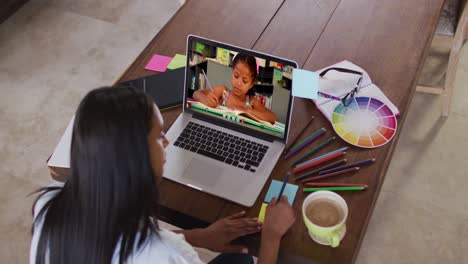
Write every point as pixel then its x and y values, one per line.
pixel 350 188
pixel 317 148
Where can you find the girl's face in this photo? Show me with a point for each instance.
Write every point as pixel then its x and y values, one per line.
pixel 157 143
pixel 241 79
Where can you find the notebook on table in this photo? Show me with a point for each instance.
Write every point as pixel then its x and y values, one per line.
pixel 166 88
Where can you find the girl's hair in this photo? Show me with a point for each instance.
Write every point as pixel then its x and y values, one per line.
pixel 250 61
pixel 111 195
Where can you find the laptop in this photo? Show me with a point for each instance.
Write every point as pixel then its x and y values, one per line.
pixel 228 147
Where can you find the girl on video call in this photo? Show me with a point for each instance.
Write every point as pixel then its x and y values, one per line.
pixel 106 211
pixel 244 74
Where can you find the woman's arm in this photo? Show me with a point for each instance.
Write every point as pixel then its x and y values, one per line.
pixel 211 97
pixel 279 218
pixel 218 236
pixel 260 111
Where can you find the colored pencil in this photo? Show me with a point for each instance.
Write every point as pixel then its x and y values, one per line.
pixel 305 139
pixel 285 181
pixel 206 78
pixel 306 142
pixel 332 184
pixel 322 156
pixel 356 164
pixel 318 162
pixel 299 135
pixel 309 174
pixel 349 188
pixel 336 173
pixel 317 148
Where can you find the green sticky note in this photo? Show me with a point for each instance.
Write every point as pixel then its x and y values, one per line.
pixel 178 61
pixel 261 215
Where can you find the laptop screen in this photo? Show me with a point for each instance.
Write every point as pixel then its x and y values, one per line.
pixel 250 89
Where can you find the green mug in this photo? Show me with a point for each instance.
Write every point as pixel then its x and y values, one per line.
pixel 331 235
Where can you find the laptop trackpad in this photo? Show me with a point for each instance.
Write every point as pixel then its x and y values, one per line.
pixel 201 172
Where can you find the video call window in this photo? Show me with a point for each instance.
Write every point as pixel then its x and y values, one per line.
pixel 248 90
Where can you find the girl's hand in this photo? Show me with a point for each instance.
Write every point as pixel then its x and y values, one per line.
pixel 211 100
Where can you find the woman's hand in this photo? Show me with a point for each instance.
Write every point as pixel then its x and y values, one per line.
pixel 279 218
pixel 218 236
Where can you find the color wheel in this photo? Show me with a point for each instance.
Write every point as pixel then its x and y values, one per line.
pixel 365 122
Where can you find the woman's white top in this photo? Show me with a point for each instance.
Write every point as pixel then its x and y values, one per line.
pixel 169 247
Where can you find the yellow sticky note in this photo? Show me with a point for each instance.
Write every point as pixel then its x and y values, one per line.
pixel 261 215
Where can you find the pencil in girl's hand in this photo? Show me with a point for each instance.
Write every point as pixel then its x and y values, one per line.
pixel 206 78
pixel 309 174
pixel 285 181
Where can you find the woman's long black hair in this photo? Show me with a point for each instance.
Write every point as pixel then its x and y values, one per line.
pixel 111 194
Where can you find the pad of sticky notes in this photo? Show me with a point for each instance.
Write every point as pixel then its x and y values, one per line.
pixel 290 191
pixel 305 84
pixel 261 215
pixel 158 63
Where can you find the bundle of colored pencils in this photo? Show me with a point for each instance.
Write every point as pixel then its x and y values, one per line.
pixel 332 170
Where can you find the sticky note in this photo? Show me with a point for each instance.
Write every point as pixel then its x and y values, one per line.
pixel 158 63
pixel 305 84
pixel 177 62
pixel 261 215
pixel 275 188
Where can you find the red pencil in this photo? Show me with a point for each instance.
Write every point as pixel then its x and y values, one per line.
pixel 331 184
pixel 318 162
pixel 331 174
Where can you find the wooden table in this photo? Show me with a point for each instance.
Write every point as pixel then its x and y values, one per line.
pixel 388 38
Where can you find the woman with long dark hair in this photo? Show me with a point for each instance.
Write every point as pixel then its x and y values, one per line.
pixel 106 211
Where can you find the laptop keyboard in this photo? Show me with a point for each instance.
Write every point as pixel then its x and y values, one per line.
pixel 218 145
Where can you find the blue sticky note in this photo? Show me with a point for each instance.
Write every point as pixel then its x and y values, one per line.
pixel 275 187
pixel 305 84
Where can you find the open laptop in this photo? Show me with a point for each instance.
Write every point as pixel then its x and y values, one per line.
pixel 227 153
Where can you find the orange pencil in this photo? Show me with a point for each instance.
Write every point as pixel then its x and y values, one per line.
pixel 318 162
pixel 332 174
pixel 331 184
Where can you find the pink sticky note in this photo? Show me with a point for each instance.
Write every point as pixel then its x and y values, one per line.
pixel 158 63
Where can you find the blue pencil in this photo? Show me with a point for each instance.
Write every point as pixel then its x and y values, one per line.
pixel 285 181
pixel 322 156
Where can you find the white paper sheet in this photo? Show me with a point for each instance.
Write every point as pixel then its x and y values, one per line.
pixel 61 156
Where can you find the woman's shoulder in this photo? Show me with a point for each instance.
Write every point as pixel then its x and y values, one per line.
pixel 45 195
